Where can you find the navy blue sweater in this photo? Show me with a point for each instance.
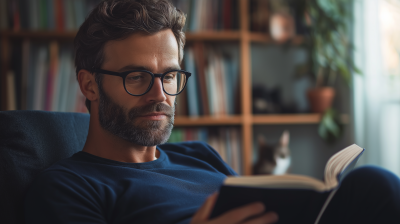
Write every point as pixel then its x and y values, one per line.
pixel 88 189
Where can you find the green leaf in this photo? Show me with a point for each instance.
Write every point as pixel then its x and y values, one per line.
pixel 330 128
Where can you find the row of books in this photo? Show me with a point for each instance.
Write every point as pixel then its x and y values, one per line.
pixel 60 15
pixel 45 78
pixel 205 15
pixel 214 87
pixel 225 140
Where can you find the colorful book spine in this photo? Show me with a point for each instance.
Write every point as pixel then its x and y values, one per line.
pixel 59 15
pixel 215 85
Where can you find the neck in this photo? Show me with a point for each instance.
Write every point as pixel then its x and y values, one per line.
pixel 103 144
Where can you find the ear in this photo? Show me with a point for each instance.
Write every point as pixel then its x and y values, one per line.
pixel 88 85
pixel 284 141
pixel 261 140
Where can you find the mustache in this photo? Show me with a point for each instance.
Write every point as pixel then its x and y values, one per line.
pixel 156 107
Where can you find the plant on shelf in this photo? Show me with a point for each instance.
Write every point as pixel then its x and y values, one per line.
pixel 330 56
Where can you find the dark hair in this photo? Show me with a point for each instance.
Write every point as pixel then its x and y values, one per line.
pixel 117 19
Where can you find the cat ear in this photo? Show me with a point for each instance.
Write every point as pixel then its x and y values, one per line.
pixel 261 140
pixel 284 141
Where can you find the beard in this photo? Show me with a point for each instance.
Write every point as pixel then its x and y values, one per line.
pixel 127 124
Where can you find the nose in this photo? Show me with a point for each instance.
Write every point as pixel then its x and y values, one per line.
pixel 156 93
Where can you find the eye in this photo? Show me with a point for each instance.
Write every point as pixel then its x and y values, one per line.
pixel 170 76
pixel 136 76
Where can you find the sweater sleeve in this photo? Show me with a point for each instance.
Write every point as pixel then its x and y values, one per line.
pixel 62 197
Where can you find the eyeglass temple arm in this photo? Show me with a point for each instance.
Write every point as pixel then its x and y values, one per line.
pixel 107 72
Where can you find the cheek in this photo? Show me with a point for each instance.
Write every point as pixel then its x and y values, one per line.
pixel 114 88
pixel 171 100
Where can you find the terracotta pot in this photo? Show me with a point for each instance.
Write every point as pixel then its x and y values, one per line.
pixel 320 99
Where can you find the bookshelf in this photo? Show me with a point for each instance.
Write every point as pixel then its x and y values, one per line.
pixel 242 37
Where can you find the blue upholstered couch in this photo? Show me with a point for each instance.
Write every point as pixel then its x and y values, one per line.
pixel 31 141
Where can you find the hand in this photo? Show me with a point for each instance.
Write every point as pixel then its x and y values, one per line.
pixel 238 215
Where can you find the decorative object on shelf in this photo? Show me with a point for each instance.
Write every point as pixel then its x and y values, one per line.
pixel 282 27
pixel 320 98
pixel 273 159
pixel 330 52
pixel 266 100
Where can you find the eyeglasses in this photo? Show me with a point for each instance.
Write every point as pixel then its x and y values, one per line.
pixel 139 82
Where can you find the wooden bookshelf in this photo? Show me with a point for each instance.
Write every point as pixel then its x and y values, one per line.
pixel 286 119
pixel 208 121
pixel 268 119
pixel 213 36
pixel 266 39
pixel 244 38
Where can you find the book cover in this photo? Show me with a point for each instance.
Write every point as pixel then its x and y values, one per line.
pixel 192 97
pixel 40 78
pixel 227 14
pixel 51 19
pixel 59 13
pixel 296 198
pixel 34 14
pixel 26 47
pixel 3 15
pixel 210 81
pixel 16 16
pixel 43 14
pixel 11 91
pixel 52 75
pixel 68 15
pixel 201 65
pixel 58 82
pixel 32 68
pixel 79 8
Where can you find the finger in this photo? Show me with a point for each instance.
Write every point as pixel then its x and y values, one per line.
pixel 242 213
pixel 268 218
pixel 205 210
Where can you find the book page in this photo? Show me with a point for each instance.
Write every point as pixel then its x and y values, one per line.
pixel 279 181
pixel 339 162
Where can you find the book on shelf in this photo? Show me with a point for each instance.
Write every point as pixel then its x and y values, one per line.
pixel 214 84
pixel 209 15
pixel 59 15
pixel 45 77
pixel 11 92
pixel 296 198
pixel 225 140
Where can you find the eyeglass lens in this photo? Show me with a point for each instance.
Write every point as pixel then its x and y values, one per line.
pixel 138 82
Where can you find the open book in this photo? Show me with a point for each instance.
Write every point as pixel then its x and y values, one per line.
pixel 296 198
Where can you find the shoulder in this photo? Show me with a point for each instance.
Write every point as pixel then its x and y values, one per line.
pixel 63 176
pixel 54 187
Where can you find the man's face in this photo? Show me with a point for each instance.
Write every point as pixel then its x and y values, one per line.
pixel 144 120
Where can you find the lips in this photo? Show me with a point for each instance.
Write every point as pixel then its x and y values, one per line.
pixel 153 114
pixel 157 111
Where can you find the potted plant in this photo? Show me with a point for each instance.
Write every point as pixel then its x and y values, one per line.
pixel 330 56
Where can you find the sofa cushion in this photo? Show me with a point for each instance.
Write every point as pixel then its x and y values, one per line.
pixel 31 141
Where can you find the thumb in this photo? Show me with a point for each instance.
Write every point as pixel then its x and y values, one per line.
pixel 205 210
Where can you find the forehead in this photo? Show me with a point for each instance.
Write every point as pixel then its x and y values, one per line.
pixel 154 51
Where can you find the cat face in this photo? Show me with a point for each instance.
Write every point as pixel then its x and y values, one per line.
pixel 273 159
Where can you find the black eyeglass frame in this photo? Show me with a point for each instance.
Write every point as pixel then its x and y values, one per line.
pixel 161 76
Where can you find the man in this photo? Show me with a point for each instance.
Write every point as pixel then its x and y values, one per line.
pixel 121 175
pixel 128 56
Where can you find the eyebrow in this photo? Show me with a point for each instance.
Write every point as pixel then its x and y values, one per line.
pixel 135 67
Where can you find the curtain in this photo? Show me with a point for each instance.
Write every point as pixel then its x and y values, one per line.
pixel 376 93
